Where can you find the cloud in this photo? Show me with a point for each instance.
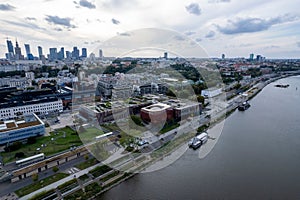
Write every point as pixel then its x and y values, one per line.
pixel 66 22
pixel 272 47
pixel 193 8
pixel 30 18
pixel 218 1
pixel 58 29
pixel 210 34
pixel 123 34
pixel 114 21
pixel 179 38
pixel 23 24
pixel 298 44
pixel 250 25
pixel 86 4
pixel 189 33
pixel 6 7
pixel 198 39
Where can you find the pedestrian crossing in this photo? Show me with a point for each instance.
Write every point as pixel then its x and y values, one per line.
pixel 73 170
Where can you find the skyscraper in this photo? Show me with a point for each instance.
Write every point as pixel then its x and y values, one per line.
pixel 166 55
pixel 40 51
pixel 223 56
pixel 100 53
pixel 19 55
pixel 61 54
pixel 83 53
pixel 52 54
pixel 251 56
pixel 10 55
pixel 28 53
pixel 75 53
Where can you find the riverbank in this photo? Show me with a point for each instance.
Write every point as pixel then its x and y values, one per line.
pixel 214 132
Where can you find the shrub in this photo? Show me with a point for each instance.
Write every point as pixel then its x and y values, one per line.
pixel 55 169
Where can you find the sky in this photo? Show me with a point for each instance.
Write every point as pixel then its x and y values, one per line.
pixel 233 27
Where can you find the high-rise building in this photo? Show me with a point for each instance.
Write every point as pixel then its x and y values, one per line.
pixel 223 56
pixel 52 54
pixel 68 55
pixel 10 55
pixel 27 49
pixel 251 56
pixel 18 52
pixel 100 53
pixel 83 53
pixel 61 54
pixel 28 53
pixel 40 51
pixel 10 47
pixel 166 55
pixel 75 53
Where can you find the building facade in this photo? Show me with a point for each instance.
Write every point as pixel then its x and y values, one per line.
pixel 14 130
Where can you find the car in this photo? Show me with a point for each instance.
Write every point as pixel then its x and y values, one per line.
pixel 143 142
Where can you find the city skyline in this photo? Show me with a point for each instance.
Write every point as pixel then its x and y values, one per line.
pixel 218 26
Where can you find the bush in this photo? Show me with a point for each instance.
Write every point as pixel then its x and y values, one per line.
pixel 15 146
pixel 19 155
pixel 35 177
pixel 55 169
pixel 31 140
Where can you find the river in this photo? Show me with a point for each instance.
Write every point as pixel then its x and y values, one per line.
pixel 257 157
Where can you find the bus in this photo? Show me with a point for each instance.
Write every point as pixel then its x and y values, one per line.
pixel 30 160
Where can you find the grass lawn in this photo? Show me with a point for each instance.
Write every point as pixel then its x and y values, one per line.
pixel 57 144
pixel 40 184
pixel 87 163
pixel 89 134
pixel 90 190
pixel 168 128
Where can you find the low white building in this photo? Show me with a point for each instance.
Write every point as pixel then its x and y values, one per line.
pixel 211 92
pixel 40 107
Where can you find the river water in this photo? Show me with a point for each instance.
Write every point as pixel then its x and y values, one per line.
pixel 256 157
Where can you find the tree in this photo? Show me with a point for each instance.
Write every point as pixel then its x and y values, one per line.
pixel 19 155
pixel 137 120
pixel 35 177
pixel 201 99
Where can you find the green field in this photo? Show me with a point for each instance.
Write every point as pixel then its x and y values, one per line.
pixel 40 184
pixel 59 140
pixel 88 135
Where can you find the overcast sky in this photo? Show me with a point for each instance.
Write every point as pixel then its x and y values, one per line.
pixel 233 27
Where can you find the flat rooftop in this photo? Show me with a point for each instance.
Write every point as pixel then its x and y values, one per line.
pixel 156 107
pixel 27 121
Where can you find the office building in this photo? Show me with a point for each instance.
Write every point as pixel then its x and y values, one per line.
pixel 53 54
pixel 10 55
pixel 20 129
pixel 39 106
pixel 61 54
pixel 223 56
pixel 75 53
pixel 40 51
pixel 83 53
pixel 100 53
pixel 251 56
pixel 166 55
pixel 18 52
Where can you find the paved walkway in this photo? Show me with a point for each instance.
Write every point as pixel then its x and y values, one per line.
pixel 55 184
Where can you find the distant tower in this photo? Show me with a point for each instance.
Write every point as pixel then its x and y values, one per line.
pixel 61 54
pixel 52 54
pixel 223 56
pixel 100 53
pixel 83 53
pixel 75 53
pixel 40 51
pixel 28 53
pixel 10 49
pixel 19 55
pixel 166 55
pixel 251 56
